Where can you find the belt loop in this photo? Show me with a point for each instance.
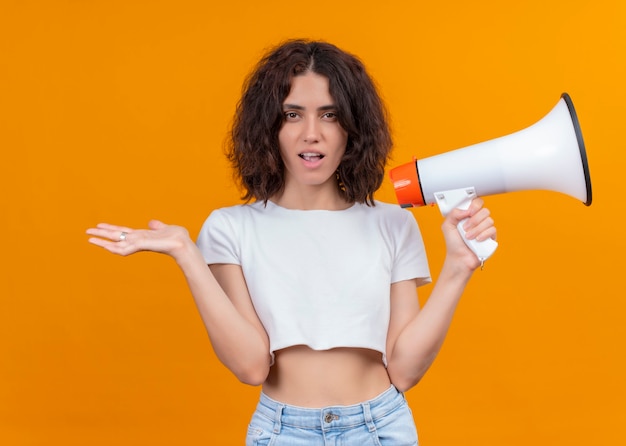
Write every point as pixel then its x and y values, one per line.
pixel 368 417
pixel 277 418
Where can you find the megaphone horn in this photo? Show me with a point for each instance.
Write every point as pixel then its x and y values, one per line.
pixel 548 155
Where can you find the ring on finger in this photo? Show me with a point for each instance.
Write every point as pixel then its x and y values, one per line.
pixel 123 236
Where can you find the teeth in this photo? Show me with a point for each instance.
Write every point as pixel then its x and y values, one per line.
pixel 309 156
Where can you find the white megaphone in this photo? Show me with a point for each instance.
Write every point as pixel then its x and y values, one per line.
pixel 549 155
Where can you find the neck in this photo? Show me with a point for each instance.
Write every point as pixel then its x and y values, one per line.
pixel 310 200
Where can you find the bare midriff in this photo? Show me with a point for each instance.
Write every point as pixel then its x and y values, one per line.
pixel 304 377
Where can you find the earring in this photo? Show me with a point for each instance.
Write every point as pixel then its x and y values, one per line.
pixel 342 187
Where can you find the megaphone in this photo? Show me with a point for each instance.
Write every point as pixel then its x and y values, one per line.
pixel 548 155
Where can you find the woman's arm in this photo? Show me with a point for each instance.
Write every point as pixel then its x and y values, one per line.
pixel 415 336
pixel 220 294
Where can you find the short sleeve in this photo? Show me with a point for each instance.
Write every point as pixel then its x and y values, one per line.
pixel 410 260
pixel 217 240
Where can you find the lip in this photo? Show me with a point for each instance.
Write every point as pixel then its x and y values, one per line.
pixel 311 159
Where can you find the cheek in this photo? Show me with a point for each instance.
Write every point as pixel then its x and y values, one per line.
pixel 285 137
pixel 343 141
pixel 285 147
pixel 282 142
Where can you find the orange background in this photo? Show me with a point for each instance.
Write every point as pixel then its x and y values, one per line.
pixel 117 111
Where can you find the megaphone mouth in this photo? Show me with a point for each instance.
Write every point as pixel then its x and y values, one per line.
pixel 581 145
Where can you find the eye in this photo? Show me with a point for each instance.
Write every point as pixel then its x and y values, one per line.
pixel 330 116
pixel 290 116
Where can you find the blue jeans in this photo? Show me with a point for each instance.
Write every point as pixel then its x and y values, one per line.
pixel 383 421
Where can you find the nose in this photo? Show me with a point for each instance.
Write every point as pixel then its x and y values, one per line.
pixel 312 131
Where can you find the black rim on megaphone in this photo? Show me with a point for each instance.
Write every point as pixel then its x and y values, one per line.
pixel 581 144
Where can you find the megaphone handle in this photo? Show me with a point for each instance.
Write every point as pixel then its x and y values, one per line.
pixel 461 199
pixel 483 249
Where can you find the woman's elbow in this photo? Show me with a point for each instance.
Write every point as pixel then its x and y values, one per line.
pixel 404 384
pixel 404 380
pixel 253 373
pixel 251 377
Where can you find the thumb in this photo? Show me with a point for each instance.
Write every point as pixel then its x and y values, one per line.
pixel 455 216
pixel 156 224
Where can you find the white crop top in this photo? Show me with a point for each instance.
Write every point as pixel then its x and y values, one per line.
pixel 319 278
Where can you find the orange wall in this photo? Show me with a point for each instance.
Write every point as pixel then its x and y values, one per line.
pixel 117 110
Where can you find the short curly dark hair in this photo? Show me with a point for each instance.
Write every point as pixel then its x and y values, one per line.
pixel 253 148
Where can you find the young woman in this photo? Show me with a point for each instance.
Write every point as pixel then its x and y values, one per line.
pixel 310 289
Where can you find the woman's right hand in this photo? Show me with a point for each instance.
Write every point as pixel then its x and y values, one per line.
pixel 166 239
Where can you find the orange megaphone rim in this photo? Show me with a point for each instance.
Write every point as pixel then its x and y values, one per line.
pixel 406 183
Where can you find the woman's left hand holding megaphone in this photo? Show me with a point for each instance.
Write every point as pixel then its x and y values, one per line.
pixel 476 224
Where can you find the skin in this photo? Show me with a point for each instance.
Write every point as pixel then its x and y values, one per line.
pixel 300 375
pixel 312 144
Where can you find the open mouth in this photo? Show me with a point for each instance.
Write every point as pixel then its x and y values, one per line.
pixel 311 156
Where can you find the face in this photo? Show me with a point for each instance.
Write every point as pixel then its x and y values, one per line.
pixel 312 142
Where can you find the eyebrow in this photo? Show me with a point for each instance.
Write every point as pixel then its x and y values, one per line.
pixel 300 107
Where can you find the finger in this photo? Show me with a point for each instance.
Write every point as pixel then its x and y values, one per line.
pixel 113 227
pixel 476 205
pixel 479 216
pixel 455 216
pixel 102 242
pixel 483 230
pixel 120 248
pixel 113 233
pixel 491 233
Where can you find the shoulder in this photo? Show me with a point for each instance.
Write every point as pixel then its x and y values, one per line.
pixel 397 223
pixel 389 213
pixel 235 212
pixel 388 208
pixel 224 230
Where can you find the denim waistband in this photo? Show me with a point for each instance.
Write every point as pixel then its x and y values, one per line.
pixel 331 417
